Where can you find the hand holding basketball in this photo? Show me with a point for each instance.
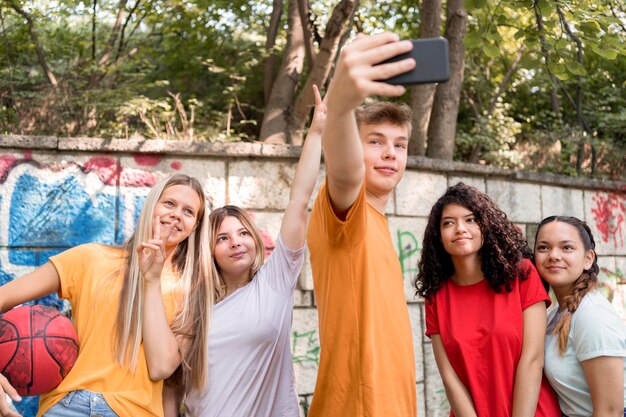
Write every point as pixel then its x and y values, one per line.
pixel 6 387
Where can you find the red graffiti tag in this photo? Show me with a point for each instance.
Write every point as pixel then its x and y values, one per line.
pixel 608 214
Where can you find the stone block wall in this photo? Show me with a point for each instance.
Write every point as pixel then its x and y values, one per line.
pixel 56 193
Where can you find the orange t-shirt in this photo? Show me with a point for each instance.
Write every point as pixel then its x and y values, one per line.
pixel 90 280
pixel 367 367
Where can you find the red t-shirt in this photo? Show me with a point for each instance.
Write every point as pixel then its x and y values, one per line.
pixel 481 331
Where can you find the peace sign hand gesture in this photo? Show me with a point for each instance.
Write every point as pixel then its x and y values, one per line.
pixel 151 254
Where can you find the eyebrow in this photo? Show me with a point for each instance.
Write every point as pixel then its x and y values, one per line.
pixel 562 241
pixel 450 217
pixel 379 134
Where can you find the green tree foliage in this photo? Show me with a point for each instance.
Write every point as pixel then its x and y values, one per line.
pixel 544 85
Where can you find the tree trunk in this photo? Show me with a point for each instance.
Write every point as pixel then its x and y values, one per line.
pixel 422 95
pixel 554 96
pixel 270 62
pixel 442 126
pixel 307 29
pixel 275 127
pixel 41 57
pixel 322 66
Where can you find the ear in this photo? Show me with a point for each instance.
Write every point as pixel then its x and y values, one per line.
pixel 590 256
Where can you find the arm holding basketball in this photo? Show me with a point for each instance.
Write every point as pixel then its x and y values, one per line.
pixel 42 281
pixel 159 342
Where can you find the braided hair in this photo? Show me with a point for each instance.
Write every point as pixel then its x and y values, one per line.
pixel 586 282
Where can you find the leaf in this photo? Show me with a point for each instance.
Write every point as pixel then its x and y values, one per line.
pixel 472 40
pixel 576 68
pixel 606 53
pixel 519 34
pixel 545 7
pixel 491 51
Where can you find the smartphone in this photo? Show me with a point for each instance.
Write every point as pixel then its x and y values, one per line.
pixel 431 59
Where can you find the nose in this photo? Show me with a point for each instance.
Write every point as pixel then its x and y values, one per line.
pixel 234 242
pixel 389 152
pixel 460 227
pixel 554 254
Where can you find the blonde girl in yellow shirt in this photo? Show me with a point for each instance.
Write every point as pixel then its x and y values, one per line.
pixel 131 307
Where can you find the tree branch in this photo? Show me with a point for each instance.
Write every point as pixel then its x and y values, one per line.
pixel 35 39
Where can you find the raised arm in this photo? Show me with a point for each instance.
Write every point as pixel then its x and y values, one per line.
pixel 160 345
pixel 293 228
pixel 458 396
pixel 42 281
pixel 355 79
pixel 530 365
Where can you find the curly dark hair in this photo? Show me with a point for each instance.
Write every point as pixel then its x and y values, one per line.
pixel 502 250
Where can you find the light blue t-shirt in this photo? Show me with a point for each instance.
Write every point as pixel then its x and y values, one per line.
pixel 596 330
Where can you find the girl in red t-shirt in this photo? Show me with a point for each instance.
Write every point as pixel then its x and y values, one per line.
pixel 485 309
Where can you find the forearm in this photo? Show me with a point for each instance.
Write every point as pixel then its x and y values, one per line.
pixel 159 342
pixel 527 386
pixel 343 150
pixel 459 397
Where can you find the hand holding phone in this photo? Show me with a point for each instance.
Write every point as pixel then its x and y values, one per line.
pixel 432 64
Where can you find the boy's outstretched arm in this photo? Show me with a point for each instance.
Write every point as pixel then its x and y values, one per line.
pixel 355 79
pixel 293 228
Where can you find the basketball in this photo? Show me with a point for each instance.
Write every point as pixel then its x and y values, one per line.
pixel 38 347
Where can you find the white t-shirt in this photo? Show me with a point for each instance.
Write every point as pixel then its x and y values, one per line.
pixel 596 330
pixel 250 368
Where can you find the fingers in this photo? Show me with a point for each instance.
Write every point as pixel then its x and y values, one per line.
pixel 170 229
pixel 6 410
pixel 156 228
pixel 316 94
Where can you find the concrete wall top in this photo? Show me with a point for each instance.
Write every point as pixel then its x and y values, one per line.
pixel 278 151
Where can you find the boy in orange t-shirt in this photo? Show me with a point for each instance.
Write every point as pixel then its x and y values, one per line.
pixel 367 366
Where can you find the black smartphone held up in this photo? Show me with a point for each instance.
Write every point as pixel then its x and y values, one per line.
pixel 431 59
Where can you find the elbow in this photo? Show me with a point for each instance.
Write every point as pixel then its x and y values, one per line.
pixel 159 373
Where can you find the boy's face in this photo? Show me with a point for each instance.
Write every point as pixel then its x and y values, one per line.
pixel 385 149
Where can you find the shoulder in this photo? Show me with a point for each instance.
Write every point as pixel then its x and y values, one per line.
pixel 597 329
pixel 593 307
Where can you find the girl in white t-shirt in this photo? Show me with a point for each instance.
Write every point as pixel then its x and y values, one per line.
pixel 250 372
pixel 586 339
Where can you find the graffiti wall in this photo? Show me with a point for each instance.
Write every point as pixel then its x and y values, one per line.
pixel 58 196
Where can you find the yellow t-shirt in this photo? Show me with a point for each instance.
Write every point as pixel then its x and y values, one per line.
pixel 366 365
pixel 90 281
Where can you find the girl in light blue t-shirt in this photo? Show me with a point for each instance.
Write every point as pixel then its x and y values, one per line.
pixel 586 339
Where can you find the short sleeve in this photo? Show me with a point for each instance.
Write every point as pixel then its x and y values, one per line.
pixel 335 231
pixel 597 331
pixel 282 267
pixel 432 320
pixel 531 289
pixel 70 266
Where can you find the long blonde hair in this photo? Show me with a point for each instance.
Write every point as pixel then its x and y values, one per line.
pixel 192 261
pixel 586 282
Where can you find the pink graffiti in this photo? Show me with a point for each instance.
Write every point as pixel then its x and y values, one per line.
pixel 608 214
pixel 147 160
pixel 130 177
pixel 176 165
pixel 6 163
pixel 106 168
